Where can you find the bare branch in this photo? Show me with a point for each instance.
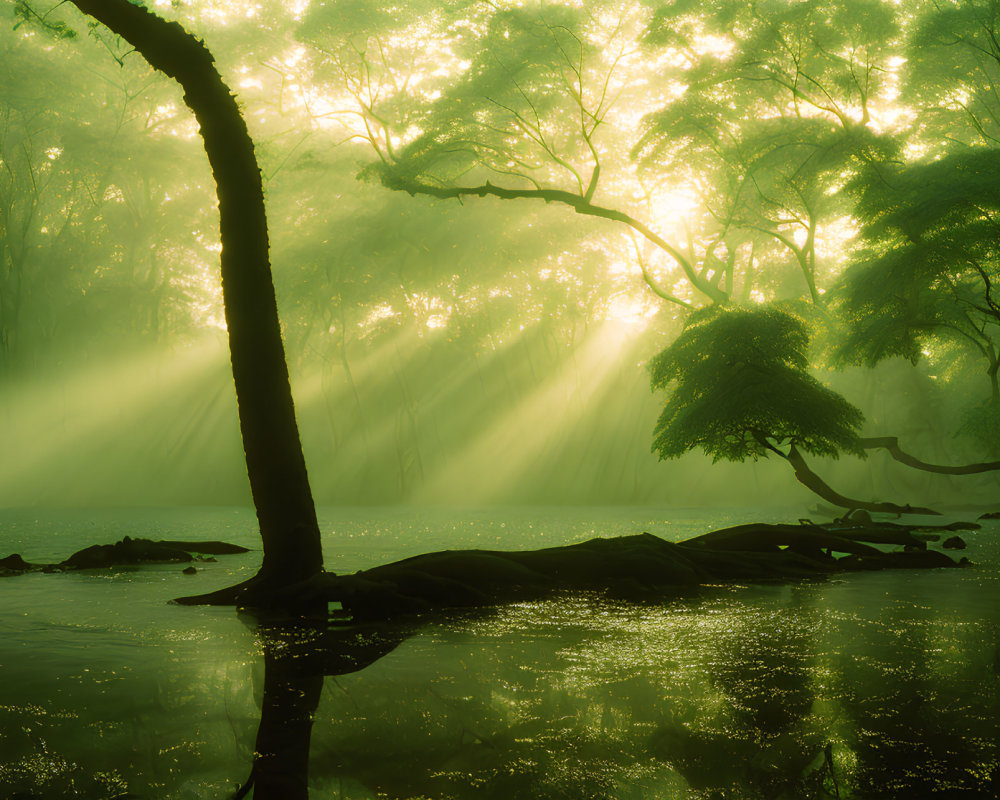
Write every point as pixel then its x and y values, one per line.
pixel 578 203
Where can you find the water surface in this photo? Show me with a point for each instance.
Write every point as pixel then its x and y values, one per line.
pixel 738 691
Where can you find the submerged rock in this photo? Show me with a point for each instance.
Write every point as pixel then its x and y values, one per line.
pixel 146 551
pixel 127 551
pixel 15 563
pixel 954 543
pixel 954 526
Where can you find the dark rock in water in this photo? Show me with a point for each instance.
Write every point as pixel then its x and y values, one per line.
pixel 954 543
pixel 146 551
pixel 189 571
pixel 205 548
pixel 954 526
pixel 859 517
pixel 990 515
pixel 127 551
pixel 15 563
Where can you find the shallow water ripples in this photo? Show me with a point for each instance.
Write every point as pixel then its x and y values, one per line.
pixel 737 691
pixel 733 692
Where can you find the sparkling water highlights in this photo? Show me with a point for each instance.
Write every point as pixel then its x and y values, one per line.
pixel 870 685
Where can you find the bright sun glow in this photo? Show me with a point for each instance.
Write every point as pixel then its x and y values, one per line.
pixel 631 311
pixel 720 47
pixel 670 206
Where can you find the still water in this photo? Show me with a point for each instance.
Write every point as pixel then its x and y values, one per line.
pixel 876 685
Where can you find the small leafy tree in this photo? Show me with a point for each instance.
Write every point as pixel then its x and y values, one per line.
pixel 740 388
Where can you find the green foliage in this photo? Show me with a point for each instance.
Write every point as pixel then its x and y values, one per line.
pixel 28 17
pixel 520 71
pixel 105 229
pixel 981 424
pixel 927 197
pixel 952 72
pixel 815 41
pixel 740 384
pixel 358 20
pixel 827 55
pixel 774 122
pixel 930 262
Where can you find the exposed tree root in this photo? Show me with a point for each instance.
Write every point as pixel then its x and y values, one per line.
pixel 631 567
pixel 268 595
pixel 229 596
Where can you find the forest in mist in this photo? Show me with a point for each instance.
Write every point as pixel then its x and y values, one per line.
pixel 487 220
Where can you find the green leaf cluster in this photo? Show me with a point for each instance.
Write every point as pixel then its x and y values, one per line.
pixel 518 78
pixel 740 387
pixel 26 15
pixel 952 72
pixel 931 259
pixel 981 423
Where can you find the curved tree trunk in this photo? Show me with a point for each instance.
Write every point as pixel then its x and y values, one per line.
pixel 275 463
pixel 816 484
pixel 891 444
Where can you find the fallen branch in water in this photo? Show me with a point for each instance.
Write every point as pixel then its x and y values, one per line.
pixel 630 567
pixel 642 566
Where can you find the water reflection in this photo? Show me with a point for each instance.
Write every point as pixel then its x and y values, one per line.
pixel 763 740
pixel 874 687
pixel 297 657
pixel 913 728
pixel 773 692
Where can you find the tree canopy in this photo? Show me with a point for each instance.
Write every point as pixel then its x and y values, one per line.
pixel 740 388
pixel 546 194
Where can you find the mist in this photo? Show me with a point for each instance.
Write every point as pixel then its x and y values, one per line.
pixel 643 359
pixel 443 351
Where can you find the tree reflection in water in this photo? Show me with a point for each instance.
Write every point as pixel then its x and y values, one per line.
pixel 914 729
pixel 767 694
pixel 763 740
pixel 297 657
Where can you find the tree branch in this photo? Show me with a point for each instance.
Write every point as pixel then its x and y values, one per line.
pixel 579 203
pixel 891 444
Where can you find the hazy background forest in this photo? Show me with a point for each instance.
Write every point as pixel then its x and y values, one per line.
pixel 495 349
